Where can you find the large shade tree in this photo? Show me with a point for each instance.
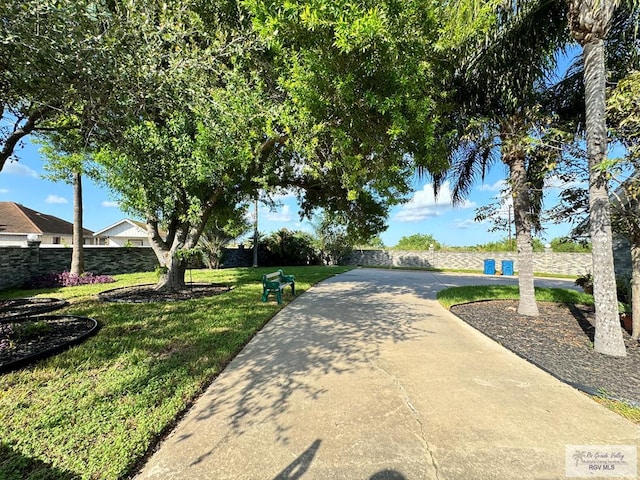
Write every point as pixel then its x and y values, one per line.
pixel 189 142
pixel 364 80
pixel 56 58
pixel 188 111
pixel 220 116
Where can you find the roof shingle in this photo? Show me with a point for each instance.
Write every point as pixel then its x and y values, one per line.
pixel 18 219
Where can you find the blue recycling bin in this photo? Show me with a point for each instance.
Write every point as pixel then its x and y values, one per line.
pixel 489 266
pixel 507 267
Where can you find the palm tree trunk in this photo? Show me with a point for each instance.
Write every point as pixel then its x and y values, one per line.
pixel 521 208
pixel 608 336
pixel 77 254
pixel 635 288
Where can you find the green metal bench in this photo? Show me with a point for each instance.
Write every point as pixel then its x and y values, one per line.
pixel 275 283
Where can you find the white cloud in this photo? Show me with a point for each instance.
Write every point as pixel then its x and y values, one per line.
pixel 15 168
pixel 4 191
pixel 110 204
pixel 424 204
pixel 464 224
pixel 281 215
pixel 495 187
pixel 56 199
pixel 283 194
pixel 554 181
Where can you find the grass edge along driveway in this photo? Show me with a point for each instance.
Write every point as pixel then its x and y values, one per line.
pixel 466 294
pixel 94 411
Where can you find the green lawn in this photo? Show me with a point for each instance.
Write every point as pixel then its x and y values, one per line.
pixel 457 295
pixel 95 410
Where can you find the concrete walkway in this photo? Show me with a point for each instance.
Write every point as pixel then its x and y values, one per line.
pixel 366 376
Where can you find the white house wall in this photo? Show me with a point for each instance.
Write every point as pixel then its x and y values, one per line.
pixel 125 234
pixel 13 240
pixel 45 240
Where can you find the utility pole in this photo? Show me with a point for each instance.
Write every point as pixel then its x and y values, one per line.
pixel 255 234
pixel 509 224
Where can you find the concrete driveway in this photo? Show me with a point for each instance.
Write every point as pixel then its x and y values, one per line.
pixel 366 376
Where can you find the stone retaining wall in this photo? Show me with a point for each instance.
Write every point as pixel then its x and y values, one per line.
pixel 548 262
pixel 15 265
pixel 544 262
pixel 100 260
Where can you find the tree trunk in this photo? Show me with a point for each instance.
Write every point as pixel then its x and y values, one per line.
pixel 166 250
pixel 172 279
pixel 513 155
pixel 77 254
pixel 522 219
pixel 608 336
pixel 635 288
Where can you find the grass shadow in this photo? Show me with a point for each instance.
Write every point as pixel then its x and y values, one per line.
pixel 16 466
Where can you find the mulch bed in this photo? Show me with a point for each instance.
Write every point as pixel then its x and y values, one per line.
pixel 28 339
pixel 21 307
pixel 25 335
pixel 560 341
pixel 147 293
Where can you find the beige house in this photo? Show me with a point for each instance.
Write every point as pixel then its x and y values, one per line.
pixel 125 233
pixel 19 224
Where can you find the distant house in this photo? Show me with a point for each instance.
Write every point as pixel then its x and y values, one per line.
pixel 18 223
pixel 125 233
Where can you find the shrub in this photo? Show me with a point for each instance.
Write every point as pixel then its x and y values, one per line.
pixel 564 244
pixel 586 282
pixel 285 247
pixel 418 241
pixel 66 279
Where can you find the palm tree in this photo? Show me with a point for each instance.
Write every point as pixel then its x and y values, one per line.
pixel 69 168
pixel 508 139
pixel 77 254
pixel 495 111
pixel 589 22
pixel 624 114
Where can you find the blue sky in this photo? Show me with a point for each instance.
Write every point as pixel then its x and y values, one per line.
pixel 21 182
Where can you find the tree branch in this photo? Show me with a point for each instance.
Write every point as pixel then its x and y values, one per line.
pixel 21 132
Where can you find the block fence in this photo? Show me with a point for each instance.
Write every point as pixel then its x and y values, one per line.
pixel 19 264
pixel 544 262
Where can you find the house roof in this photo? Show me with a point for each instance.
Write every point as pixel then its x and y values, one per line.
pixel 18 219
pixel 134 223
